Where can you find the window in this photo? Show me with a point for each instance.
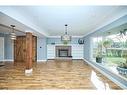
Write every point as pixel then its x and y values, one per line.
pixel 96 47
pixel 111 49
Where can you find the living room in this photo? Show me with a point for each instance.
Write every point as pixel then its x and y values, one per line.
pixel 63 47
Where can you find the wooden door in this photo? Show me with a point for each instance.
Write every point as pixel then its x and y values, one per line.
pixel 20 49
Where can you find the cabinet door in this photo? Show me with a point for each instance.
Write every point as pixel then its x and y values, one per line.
pixel 50 51
pixel 77 51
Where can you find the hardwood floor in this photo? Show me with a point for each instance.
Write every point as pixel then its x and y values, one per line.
pixel 54 74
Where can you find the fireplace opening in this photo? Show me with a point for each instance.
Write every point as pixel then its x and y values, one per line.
pixel 63 51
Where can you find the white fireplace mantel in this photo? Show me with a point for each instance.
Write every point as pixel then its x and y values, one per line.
pixel 77 51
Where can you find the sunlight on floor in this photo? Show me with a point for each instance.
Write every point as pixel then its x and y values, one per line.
pixel 98 83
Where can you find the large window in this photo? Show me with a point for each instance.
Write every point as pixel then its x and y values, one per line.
pixel 110 50
pixel 116 53
pixel 96 47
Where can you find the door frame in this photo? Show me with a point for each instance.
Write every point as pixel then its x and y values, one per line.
pixel 2 38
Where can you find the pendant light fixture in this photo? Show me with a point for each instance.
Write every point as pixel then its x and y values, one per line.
pixel 66 37
pixel 13 35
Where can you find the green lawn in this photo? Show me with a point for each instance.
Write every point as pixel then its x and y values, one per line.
pixel 114 60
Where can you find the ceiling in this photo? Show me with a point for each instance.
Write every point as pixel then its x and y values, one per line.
pixel 50 20
pixel 20 29
pixel 116 30
pixel 6 21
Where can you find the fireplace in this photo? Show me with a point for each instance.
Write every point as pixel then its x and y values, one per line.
pixel 63 51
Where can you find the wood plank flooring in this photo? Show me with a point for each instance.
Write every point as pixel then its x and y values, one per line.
pixel 54 74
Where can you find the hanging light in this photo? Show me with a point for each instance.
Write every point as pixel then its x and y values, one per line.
pixel 66 37
pixel 13 35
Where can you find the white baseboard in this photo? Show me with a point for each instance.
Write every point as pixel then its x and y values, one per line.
pixel 8 60
pixel 42 60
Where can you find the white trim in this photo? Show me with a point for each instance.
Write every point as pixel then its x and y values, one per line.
pixel 91 48
pixel 3 48
pixel 12 50
pixel 60 36
pixel 8 60
pixel 2 38
pixel 104 73
pixel 41 60
pixel 27 31
pixel 104 25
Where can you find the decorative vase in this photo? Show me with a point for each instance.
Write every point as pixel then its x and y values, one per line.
pixel 99 59
pixel 122 70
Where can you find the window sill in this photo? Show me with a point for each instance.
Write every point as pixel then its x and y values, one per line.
pixel 110 73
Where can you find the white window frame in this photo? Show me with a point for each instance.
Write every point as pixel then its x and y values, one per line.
pixel 2 38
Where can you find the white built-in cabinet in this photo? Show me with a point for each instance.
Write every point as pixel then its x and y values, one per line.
pixel 77 51
pixel 50 51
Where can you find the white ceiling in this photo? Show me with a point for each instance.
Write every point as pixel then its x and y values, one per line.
pixel 6 21
pixel 116 30
pixel 81 20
